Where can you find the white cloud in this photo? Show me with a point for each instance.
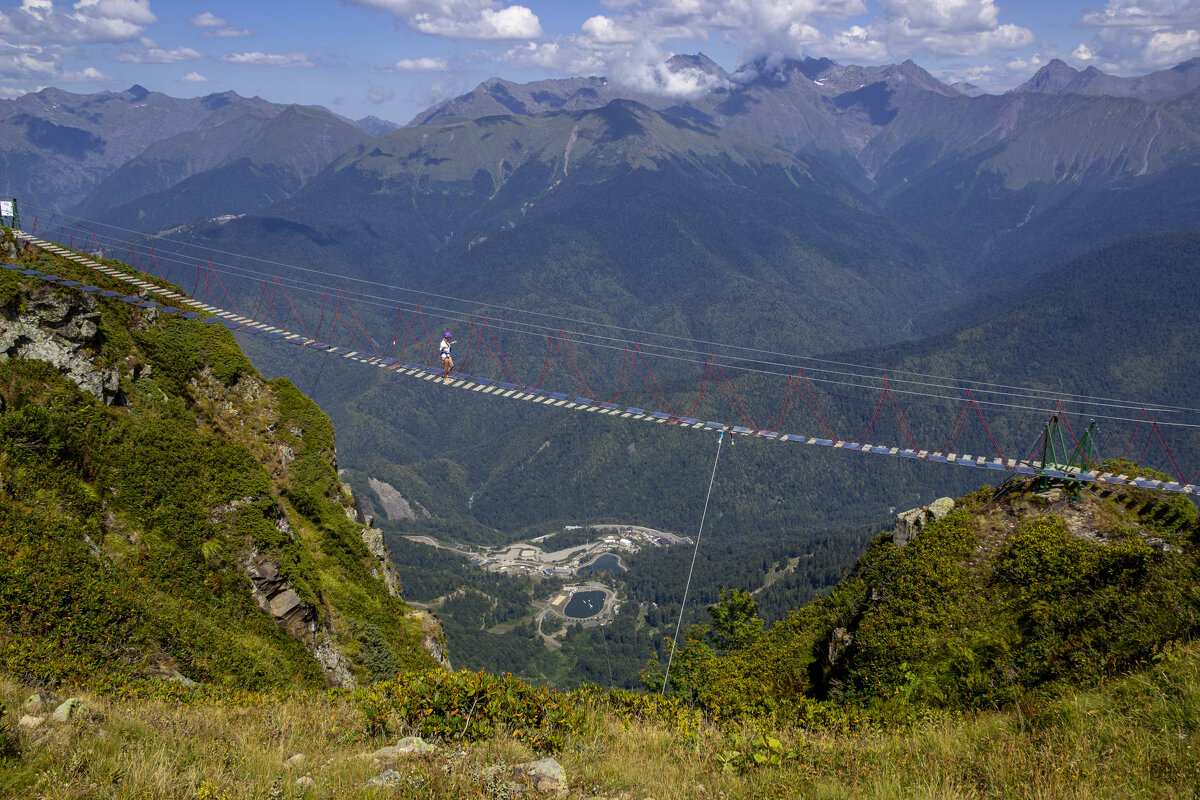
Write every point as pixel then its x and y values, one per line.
pixel 11 93
pixel 33 63
pixel 461 19
pixel 1083 53
pixel 1138 37
pixel 153 54
pixel 630 43
pixel 1143 13
pixel 855 43
pixel 948 27
pixel 514 22
pixel 571 55
pixel 207 20
pixel 41 21
pixel 379 96
pixel 1023 65
pixel 417 65
pixel 256 59
pixel 226 33
pixel 607 31
pixel 660 79
pixel 195 77
pixel 216 27
pixel 1169 47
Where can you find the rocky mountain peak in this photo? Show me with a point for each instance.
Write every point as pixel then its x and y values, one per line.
pixel 1057 77
pixel 699 61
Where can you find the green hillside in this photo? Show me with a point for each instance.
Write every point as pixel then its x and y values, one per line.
pixel 166 512
pixel 1033 643
pixel 1013 594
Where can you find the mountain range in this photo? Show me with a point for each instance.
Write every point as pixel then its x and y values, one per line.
pixel 91 154
pixel 873 215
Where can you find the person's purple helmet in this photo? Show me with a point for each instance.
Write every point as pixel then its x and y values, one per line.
pixel 446 335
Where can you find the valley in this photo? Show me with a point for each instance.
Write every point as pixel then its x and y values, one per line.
pixel 201 510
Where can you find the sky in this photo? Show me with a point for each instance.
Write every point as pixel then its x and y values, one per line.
pixel 393 58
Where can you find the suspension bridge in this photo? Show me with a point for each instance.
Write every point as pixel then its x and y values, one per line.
pixel 1059 453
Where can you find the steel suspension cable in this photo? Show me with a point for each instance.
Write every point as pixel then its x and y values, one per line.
pixel 692 569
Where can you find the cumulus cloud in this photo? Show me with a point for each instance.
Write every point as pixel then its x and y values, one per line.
pixel 662 79
pixel 257 59
pixel 1143 13
pixel 41 21
pixel 417 65
pixel 1134 37
pixel 215 27
pixel 153 54
pixel 377 96
pixel 1083 53
pixel 226 33
pixel 630 43
pixel 461 19
pixel 608 31
pixel 207 20
pixel 195 77
pixel 948 27
pixel 572 55
pixel 855 43
pixel 22 63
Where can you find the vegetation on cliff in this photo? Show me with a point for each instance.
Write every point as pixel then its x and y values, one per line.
pixel 194 527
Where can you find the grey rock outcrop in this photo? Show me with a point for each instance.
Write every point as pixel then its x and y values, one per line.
pixel 910 523
pixel 433 637
pixel 385 780
pixel 545 777
pixel 66 710
pixel 59 328
pixel 407 747
pixel 38 702
pixel 386 570
pixel 276 596
pixel 29 722
pixel 395 505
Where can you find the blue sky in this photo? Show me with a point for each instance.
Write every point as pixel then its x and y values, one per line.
pixel 393 58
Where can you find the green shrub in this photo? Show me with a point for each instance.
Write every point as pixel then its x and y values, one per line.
pixel 470 706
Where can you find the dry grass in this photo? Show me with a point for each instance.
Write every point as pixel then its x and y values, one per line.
pixel 1138 739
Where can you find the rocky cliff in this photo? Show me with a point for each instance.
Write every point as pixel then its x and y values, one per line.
pixel 165 511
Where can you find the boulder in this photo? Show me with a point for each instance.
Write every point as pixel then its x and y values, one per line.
pixel 910 523
pixel 545 777
pixel 30 722
pixel 66 710
pixel 385 780
pixel 405 748
pixel 39 701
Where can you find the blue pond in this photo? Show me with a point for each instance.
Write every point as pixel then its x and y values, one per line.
pixel 604 563
pixel 585 604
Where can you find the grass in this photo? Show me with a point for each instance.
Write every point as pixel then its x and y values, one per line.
pixel 1135 738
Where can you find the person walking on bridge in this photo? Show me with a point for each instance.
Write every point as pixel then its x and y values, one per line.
pixel 444 351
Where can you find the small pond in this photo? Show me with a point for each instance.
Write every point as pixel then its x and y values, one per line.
pixel 585 604
pixel 605 563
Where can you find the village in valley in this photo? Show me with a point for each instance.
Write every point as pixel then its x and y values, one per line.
pixel 588 602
